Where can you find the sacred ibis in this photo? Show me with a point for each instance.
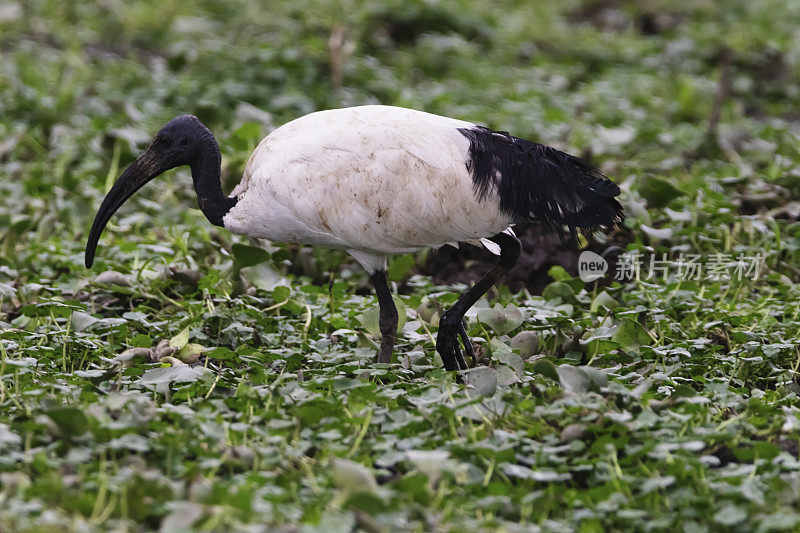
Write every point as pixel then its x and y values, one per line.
pixel 380 180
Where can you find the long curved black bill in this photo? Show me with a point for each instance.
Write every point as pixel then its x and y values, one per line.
pixel 146 167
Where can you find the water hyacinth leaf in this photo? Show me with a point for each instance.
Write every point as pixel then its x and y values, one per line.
pixel 546 368
pixel 7 290
pixel 656 483
pixel 7 437
pixel 429 311
pixel 523 472
pixel 657 234
pixel 130 441
pixel 506 375
pixel 559 290
pixel 730 515
pixel 400 267
pixel 658 192
pixel 182 517
pixel 599 346
pixel 175 374
pixel 80 321
pixel 430 462
pixel 501 319
pixel 189 353
pixel 245 255
pixel 631 335
pixel 482 379
pixel 558 273
pixel 133 353
pixel 281 293
pixel 499 348
pixel 603 300
pixel 71 421
pixel 514 362
pixel 180 340
pixel 526 342
pixel 370 319
pixel 52 308
pixel 245 136
pixel 112 278
pixel 115 282
pixel 573 432
pixel 263 276
pixel 401 311
pixel 572 379
pixel 352 477
pixel 221 353
pixel 581 379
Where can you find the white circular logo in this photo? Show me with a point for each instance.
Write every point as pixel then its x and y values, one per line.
pixel 591 266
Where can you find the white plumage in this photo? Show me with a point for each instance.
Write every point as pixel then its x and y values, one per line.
pixel 379 180
pixel 373 180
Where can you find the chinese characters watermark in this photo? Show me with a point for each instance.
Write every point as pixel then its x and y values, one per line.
pixel 685 267
pixel 633 265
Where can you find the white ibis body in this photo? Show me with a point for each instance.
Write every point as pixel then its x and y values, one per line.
pixel 381 180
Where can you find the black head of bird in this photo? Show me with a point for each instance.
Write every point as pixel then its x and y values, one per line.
pixel 381 180
pixel 184 140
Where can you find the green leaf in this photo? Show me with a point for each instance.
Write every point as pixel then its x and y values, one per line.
pixel 401 267
pixel 180 340
pixel 603 300
pixel 370 319
pixel 173 374
pixel 526 343
pixel 631 335
pixel 80 321
pixel 514 362
pixel 264 277
pixel 430 462
pixel 182 517
pixel 7 290
pixel 189 353
pixel 546 368
pixel 351 477
pixel 559 289
pixel 52 307
pixel 730 515
pixel 281 293
pixel 501 319
pixel 112 277
pixel 658 192
pixel 245 255
pixel 482 379
pixel 559 273
pixel 580 379
pixel 70 421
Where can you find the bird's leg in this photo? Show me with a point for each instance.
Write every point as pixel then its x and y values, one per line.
pixel 387 319
pixel 451 325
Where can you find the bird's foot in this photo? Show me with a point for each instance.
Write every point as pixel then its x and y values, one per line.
pixel 448 347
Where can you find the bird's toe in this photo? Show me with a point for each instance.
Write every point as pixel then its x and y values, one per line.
pixel 448 347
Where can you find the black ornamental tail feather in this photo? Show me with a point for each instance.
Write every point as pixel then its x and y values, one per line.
pixel 538 183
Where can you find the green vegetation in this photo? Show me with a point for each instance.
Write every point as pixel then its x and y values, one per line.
pixel 657 404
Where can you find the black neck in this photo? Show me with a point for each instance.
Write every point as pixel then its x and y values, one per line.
pixel 206 169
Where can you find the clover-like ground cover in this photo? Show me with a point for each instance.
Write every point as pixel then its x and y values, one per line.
pixel 200 383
